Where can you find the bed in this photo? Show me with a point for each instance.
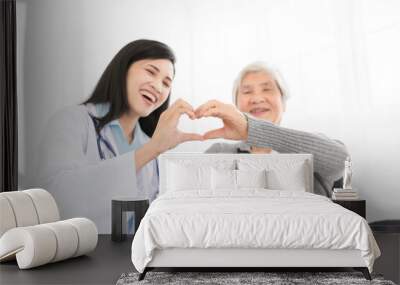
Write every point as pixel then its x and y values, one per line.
pixel 247 211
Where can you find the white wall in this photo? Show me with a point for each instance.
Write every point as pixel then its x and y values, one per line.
pixel 340 59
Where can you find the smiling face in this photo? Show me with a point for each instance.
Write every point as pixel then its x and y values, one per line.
pixel 148 85
pixel 259 95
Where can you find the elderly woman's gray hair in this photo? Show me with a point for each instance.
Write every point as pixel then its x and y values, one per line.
pixel 260 67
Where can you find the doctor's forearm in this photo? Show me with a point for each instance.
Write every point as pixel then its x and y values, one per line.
pixel 145 154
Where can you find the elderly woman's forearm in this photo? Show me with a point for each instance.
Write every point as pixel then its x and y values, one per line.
pixel 329 155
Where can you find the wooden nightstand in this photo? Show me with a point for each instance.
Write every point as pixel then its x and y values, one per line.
pixel 357 206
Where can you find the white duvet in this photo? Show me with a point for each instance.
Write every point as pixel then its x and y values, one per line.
pixel 250 219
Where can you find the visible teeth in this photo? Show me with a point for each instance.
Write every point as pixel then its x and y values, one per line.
pixel 258 110
pixel 150 97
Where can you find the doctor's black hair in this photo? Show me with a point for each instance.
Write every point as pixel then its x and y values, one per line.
pixel 111 88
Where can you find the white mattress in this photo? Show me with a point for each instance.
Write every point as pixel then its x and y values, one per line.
pixel 256 218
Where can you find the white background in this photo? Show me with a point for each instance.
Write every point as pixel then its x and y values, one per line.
pixel 340 59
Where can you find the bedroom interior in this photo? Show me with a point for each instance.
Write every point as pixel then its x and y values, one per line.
pixel 218 218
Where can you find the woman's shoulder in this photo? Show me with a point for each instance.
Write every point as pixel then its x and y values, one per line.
pixel 222 147
pixel 66 128
pixel 76 111
pixel 75 116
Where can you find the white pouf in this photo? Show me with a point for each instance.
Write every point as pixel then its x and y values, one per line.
pixel 31 233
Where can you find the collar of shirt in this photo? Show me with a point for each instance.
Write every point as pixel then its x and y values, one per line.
pixel 122 143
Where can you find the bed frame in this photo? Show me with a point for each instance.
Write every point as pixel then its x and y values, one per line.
pixel 251 259
pixel 236 259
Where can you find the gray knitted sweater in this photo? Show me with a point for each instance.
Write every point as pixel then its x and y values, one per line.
pixel 329 155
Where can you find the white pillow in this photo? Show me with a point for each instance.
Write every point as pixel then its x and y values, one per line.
pixel 228 179
pixel 183 177
pixel 293 178
pixel 251 179
pixel 287 174
pixel 223 179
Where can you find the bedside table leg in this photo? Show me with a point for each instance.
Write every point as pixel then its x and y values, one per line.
pixel 116 221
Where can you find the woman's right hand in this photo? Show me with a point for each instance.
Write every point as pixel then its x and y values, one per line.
pixel 166 134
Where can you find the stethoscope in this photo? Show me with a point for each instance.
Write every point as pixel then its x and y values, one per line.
pixel 100 140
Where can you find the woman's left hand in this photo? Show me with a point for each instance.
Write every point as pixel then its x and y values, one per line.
pixel 235 122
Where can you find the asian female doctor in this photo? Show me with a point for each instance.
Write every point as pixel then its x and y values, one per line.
pixel 108 145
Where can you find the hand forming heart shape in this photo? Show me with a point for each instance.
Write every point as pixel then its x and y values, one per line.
pixel 234 121
pixel 167 135
pixel 199 125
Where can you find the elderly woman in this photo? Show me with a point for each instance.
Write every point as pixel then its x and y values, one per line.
pixel 260 98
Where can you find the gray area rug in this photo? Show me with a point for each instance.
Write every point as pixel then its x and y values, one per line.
pixel 273 278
